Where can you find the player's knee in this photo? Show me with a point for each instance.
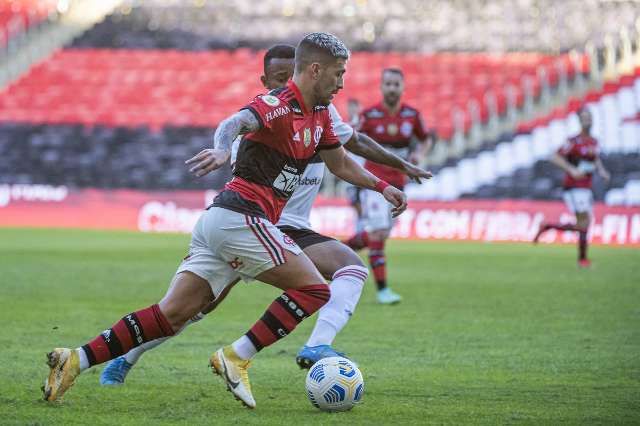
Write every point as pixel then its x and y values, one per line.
pixel 178 313
pixel 582 220
pixel 175 318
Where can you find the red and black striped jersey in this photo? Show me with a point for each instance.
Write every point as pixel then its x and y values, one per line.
pixel 394 132
pixel 271 160
pixel 581 152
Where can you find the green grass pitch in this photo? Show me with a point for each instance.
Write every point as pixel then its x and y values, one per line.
pixel 488 334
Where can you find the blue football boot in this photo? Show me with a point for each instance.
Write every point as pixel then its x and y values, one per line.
pixel 115 372
pixel 309 355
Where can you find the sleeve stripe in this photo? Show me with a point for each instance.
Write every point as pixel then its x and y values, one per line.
pixel 255 113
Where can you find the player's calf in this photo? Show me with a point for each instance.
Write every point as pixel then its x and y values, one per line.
pixel 132 330
pixel 285 313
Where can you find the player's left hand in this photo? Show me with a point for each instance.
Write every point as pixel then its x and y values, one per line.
pixel 605 176
pixel 207 161
pixel 397 198
pixel 416 173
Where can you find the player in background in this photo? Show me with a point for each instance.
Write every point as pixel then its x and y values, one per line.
pixel 236 235
pixel 579 159
pixel 399 128
pixel 333 259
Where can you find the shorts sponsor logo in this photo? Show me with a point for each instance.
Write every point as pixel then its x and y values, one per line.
pixel 270 100
pixel 236 263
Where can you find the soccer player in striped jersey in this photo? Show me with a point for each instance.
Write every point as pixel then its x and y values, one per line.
pixel 334 260
pixel 579 158
pixel 396 125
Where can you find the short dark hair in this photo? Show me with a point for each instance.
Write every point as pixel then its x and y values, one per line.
pixel 279 51
pixel 319 47
pixel 394 71
pixel 583 109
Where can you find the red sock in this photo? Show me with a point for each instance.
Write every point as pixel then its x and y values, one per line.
pixel 358 241
pixel 286 312
pixel 378 261
pixel 565 227
pixel 131 331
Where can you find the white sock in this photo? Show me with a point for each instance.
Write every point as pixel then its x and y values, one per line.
pixel 244 348
pixel 134 354
pixel 84 361
pixel 346 288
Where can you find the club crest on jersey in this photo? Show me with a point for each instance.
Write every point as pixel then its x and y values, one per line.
pixel 392 129
pixel 317 135
pixel 380 128
pixel 307 137
pixel 406 128
pixel 270 100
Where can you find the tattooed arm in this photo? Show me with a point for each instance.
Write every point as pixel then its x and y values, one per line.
pixel 208 160
pixel 362 145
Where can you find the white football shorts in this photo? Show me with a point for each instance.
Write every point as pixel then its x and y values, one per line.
pixel 376 211
pixel 226 245
pixel 578 200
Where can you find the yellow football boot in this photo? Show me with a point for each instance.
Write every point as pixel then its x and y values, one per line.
pixel 233 370
pixel 65 367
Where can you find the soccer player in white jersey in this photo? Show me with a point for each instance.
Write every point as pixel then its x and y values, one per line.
pixel 334 260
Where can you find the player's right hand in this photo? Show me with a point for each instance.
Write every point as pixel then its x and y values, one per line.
pixel 207 161
pixel 397 198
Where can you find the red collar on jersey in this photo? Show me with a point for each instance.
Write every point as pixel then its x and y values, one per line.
pixel 291 85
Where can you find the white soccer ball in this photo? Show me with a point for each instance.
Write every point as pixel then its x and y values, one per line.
pixel 334 384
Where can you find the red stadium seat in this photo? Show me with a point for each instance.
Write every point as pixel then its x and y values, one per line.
pixel 169 87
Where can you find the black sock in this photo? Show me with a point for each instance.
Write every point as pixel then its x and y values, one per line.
pixel 582 245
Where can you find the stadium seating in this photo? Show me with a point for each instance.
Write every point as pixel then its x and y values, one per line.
pixel 380 25
pixel 103 156
pixel 17 15
pixel 157 71
pixel 167 87
pixel 517 166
